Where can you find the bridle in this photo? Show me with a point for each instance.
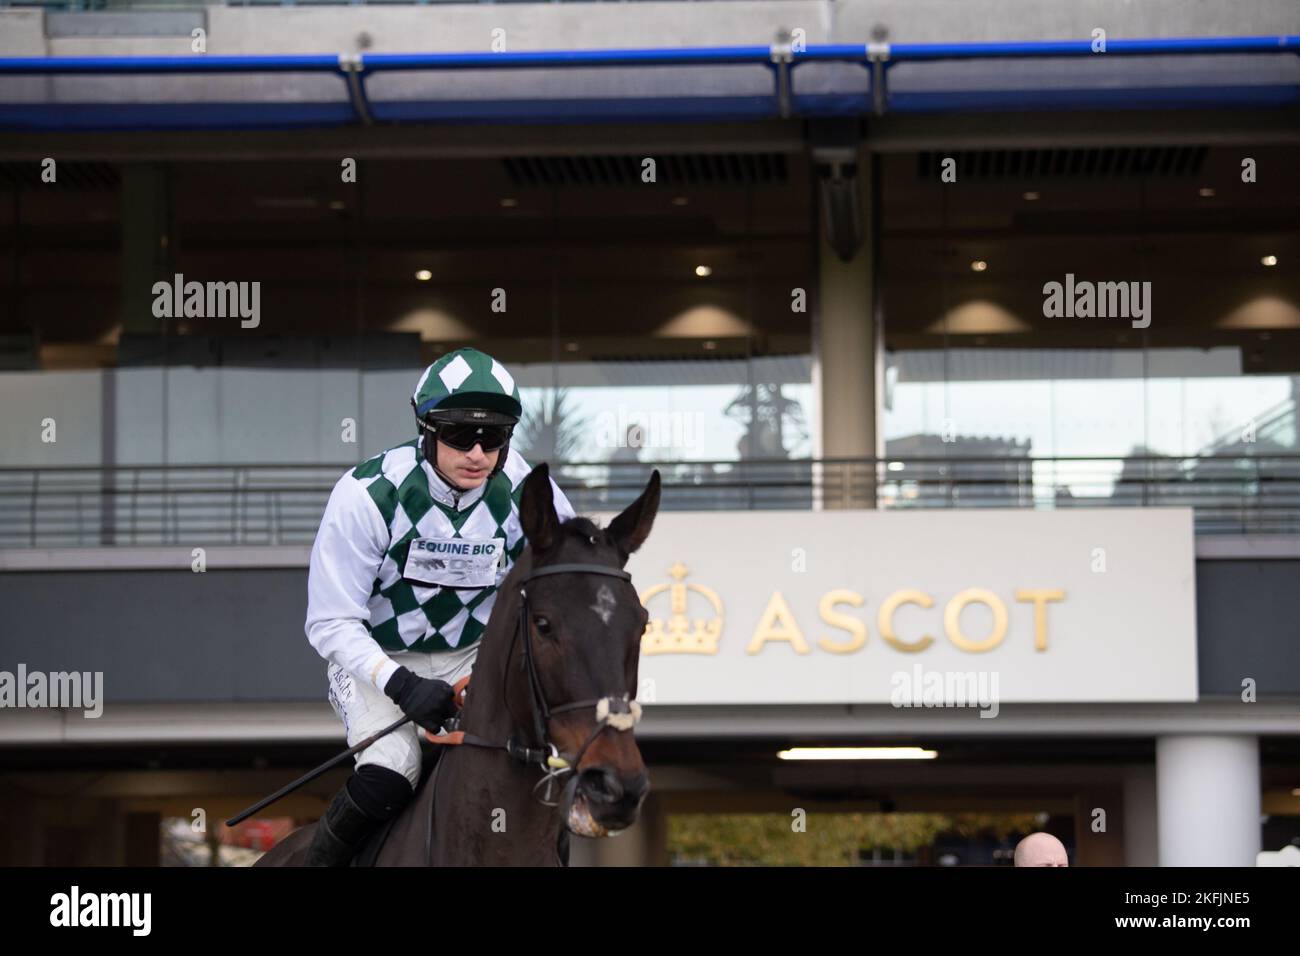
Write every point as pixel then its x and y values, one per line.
pixel 616 713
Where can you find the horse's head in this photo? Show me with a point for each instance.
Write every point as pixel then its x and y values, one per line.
pixel 584 630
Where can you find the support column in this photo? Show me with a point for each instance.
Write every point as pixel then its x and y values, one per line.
pixel 1208 798
pixel 147 257
pixel 1141 846
pixel 847 352
pixel 146 243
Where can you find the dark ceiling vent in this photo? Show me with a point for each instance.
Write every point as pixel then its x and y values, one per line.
pixel 1107 162
pixel 69 175
pixel 673 169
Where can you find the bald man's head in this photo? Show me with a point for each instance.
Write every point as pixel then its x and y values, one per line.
pixel 1041 849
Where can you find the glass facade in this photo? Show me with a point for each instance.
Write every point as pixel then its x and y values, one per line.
pixel 1090 325
pixel 645 323
pixel 1061 328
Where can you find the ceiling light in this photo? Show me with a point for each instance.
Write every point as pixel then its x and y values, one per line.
pixel 978 317
pixel 1269 260
pixel 1029 196
pixel 680 200
pixel 703 271
pixel 509 203
pixel 979 265
pixel 1205 192
pixel 857 753
pixel 424 275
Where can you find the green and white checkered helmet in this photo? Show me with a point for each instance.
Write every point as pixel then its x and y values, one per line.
pixel 467 378
pixel 466 387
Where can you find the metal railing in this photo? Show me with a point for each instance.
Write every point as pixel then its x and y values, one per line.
pixel 282 504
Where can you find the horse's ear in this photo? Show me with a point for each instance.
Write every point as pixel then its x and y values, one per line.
pixel 630 529
pixel 537 510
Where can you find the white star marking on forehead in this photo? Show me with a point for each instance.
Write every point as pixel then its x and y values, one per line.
pixel 604 606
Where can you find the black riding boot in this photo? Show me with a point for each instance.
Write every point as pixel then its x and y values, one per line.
pixel 371 797
pixel 340 833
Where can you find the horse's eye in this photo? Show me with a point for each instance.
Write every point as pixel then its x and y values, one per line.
pixel 542 624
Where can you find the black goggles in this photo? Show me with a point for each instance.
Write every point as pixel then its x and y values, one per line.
pixel 463 437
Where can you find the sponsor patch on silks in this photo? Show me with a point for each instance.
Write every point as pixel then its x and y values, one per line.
pixel 454 562
pixel 342 688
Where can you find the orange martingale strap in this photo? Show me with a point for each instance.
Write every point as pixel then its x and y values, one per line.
pixel 453 739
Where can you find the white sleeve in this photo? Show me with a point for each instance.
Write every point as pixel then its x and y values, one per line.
pixel 345 560
pixel 517 469
pixel 562 506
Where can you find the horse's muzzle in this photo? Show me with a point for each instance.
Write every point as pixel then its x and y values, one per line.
pixel 611 800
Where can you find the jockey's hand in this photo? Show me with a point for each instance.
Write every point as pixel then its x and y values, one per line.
pixel 426 700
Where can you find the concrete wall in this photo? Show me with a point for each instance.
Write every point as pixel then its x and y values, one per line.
pixel 1248 613
pixel 542 26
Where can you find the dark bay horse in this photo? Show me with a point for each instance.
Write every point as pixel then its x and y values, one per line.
pixel 557 681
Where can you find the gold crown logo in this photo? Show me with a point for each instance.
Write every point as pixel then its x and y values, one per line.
pixel 676 635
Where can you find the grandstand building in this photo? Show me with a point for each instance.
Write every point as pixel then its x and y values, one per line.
pixel 796 254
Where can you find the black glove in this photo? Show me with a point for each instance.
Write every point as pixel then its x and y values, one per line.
pixel 425 700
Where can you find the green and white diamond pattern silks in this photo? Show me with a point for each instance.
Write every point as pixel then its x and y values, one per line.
pixel 408 616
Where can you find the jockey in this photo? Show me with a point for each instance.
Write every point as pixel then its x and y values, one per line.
pixel 404 572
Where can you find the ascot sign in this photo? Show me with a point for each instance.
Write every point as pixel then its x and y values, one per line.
pixel 780 607
pixel 678 635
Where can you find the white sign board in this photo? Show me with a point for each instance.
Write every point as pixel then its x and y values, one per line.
pixel 869 607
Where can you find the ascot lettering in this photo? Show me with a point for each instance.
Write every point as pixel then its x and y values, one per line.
pixel 778 622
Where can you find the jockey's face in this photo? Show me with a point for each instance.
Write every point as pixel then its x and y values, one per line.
pixel 468 469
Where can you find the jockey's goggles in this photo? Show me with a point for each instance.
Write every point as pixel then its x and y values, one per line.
pixel 464 436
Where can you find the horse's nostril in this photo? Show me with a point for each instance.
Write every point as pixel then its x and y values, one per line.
pixel 601 784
